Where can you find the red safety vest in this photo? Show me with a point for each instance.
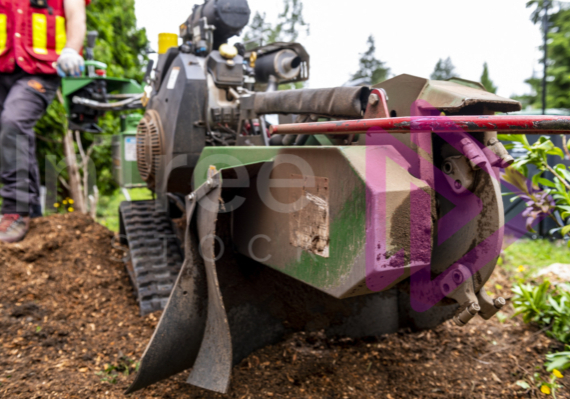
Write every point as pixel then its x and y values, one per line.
pixel 31 37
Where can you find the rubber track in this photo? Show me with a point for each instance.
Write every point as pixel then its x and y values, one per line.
pixel 155 254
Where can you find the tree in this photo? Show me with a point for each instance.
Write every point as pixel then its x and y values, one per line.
pixel 539 6
pixel 486 80
pixel 123 48
pixel 444 69
pixel 558 72
pixel 289 23
pixel 371 70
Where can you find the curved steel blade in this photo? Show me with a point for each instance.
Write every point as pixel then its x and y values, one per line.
pixel 213 366
pixel 176 340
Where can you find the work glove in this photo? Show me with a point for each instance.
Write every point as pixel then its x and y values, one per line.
pixel 70 63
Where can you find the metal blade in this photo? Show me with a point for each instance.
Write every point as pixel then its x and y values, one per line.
pixel 176 340
pixel 213 366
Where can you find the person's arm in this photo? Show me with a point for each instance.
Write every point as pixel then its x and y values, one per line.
pixel 75 16
pixel 70 63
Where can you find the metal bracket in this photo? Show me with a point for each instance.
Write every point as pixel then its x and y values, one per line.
pixel 489 306
pixel 377 105
pixel 458 284
pixel 459 174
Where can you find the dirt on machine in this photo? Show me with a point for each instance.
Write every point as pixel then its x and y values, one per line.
pixel 354 210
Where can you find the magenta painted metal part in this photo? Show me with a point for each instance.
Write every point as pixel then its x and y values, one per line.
pixel 519 124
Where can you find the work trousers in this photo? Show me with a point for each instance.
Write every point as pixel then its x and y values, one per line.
pixel 23 100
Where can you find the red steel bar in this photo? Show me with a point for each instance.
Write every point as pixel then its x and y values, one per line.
pixel 513 124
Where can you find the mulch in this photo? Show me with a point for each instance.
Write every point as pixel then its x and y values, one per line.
pixel 69 328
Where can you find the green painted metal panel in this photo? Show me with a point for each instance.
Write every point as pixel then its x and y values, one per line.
pixel 125 169
pixel 230 157
pixel 347 223
pixel 323 139
pixel 71 85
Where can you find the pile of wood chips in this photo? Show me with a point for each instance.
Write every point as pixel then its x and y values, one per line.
pixel 69 328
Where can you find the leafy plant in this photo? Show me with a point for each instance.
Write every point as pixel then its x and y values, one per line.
pixel 547 307
pixel 550 386
pixel 124 366
pixel 554 199
pixel 559 360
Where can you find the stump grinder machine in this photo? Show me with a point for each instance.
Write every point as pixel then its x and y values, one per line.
pixel 363 211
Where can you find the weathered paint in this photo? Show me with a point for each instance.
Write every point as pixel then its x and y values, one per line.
pixel 454 97
pixel 347 239
pixel 231 157
pixel 519 124
pixel 343 272
pixel 347 220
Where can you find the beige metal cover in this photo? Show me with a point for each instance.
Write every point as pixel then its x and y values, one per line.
pixel 453 96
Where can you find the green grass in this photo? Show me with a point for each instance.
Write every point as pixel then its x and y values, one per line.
pixel 534 255
pixel 108 207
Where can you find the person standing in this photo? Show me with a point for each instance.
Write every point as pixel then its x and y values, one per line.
pixel 40 41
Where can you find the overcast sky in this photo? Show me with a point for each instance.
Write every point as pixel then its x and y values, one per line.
pixel 411 35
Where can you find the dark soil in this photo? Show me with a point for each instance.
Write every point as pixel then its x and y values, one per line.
pixel 69 327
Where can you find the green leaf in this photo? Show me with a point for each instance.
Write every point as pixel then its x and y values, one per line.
pixel 517 138
pixel 523 384
pixel 560 361
pixel 565 230
pixel 535 179
pixel 546 182
pixel 556 151
pixel 564 172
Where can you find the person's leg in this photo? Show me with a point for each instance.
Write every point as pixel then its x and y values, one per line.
pixel 25 103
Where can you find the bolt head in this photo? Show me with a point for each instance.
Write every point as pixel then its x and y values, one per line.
pixel 499 302
pixel 457 277
pixel 474 308
pixel 373 99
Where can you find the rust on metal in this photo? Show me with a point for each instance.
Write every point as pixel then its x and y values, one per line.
pixel 519 124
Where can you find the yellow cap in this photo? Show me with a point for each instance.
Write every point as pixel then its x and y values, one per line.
pixel 228 51
pixel 252 59
pixel 166 41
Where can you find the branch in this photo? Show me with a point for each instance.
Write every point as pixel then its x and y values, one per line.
pixel 562 180
pixel 47 140
pixel 565 147
pixel 85 167
pixel 59 96
pixel 79 145
pixel 64 183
